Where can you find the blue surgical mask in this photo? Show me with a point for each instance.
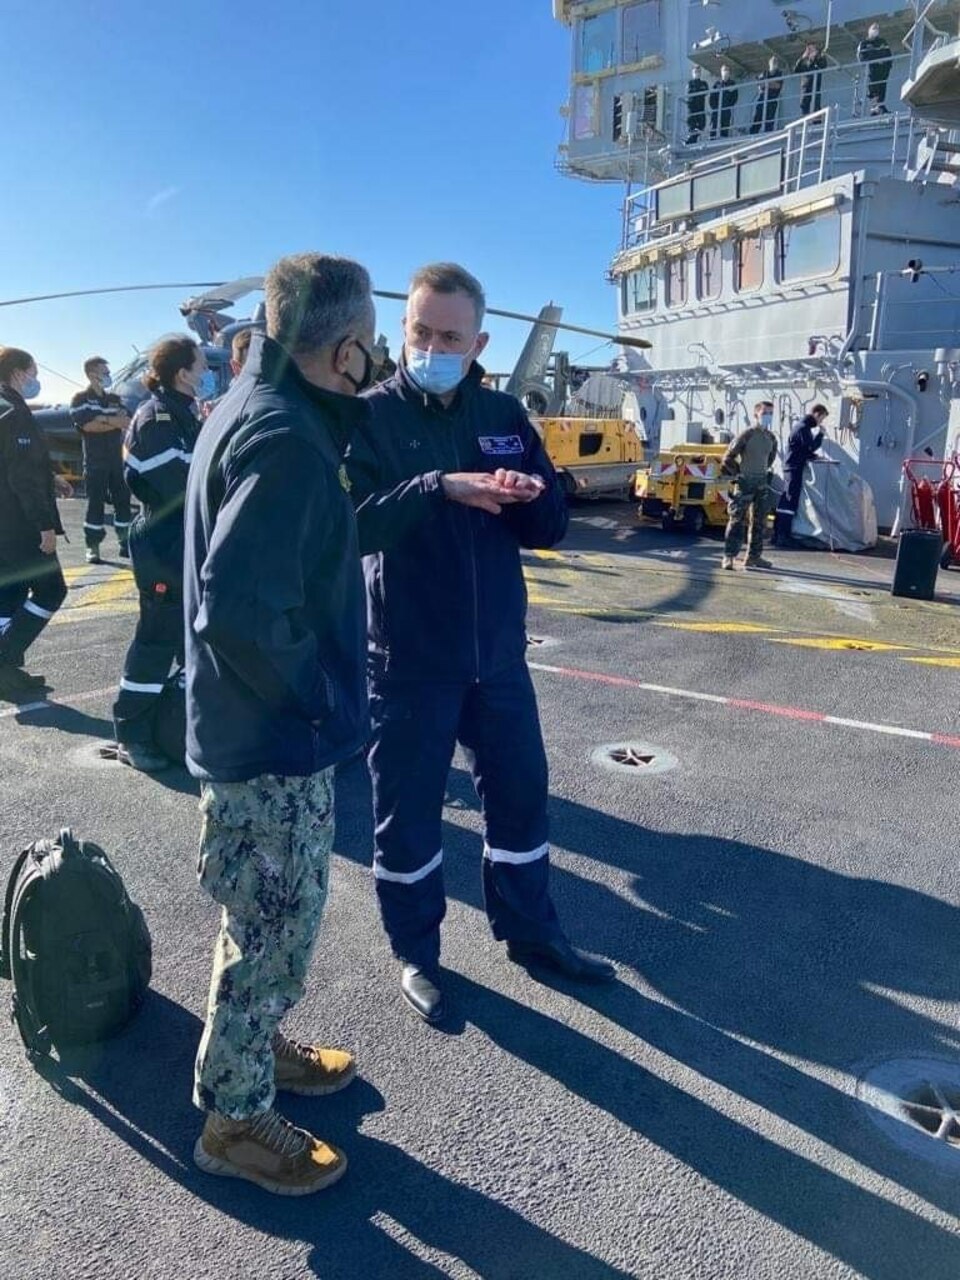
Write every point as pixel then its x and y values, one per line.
pixel 106 381
pixel 30 388
pixel 766 419
pixel 435 372
pixel 207 386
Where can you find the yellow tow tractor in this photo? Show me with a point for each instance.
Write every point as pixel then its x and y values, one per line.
pixel 684 488
pixel 594 457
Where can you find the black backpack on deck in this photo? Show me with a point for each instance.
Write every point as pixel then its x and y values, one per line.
pixel 75 946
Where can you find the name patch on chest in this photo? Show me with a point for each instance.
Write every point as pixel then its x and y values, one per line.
pixel 496 446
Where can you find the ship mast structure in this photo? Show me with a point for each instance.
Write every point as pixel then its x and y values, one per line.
pixel 791 225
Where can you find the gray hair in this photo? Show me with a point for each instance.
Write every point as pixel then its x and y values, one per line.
pixel 315 299
pixel 448 277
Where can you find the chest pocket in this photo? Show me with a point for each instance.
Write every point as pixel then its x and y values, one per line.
pixel 501 451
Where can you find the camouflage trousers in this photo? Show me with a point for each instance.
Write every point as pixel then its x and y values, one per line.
pixel 751 499
pixel 264 857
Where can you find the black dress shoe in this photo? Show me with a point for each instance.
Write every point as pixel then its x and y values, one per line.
pixel 421 990
pixel 563 957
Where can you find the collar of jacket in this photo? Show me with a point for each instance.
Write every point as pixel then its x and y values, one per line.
pixel 268 360
pixel 409 390
pixel 12 396
pixel 177 403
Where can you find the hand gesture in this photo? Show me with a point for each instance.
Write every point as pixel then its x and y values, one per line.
pixel 525 487
pixel 48 542
pixel 479 489
pixel 63 487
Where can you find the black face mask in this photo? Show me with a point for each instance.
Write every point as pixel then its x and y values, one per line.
pixel 366 380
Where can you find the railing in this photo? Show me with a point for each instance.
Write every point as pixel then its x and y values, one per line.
pixel 805 146
pixel 844 87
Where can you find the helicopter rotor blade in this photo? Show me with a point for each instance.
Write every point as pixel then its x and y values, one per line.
pixel 124 288
pixel 618 339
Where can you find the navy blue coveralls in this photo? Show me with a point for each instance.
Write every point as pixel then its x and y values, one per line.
pixel 32 587
pixel 157 455
pixel 805 439
pixel 102 465
pixel 446 606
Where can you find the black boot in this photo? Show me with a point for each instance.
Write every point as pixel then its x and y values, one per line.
pixel 17 683
pixel 782 524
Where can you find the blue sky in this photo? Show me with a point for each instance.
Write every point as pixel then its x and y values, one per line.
pixel 185 142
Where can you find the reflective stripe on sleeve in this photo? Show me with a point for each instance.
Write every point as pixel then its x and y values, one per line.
pixel 161 459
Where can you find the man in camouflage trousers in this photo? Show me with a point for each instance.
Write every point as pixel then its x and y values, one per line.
pixel 750 458
pixel 276 696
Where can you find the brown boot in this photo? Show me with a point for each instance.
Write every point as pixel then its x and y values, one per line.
pixel 269 1151
pixel 308 1069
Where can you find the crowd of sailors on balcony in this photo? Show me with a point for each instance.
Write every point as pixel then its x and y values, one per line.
pixel 710 107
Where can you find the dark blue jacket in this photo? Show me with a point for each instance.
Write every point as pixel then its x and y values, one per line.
pixel 273 591
pixel 28 501
pixel 156 459
pixel 101 449
pixel 805 439
pixel 446 598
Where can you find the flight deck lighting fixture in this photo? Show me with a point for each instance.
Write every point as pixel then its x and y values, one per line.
pixel 914 269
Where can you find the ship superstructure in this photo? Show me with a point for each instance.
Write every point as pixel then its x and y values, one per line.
pixel 791 235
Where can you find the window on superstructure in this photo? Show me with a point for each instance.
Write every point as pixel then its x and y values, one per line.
pixel 640 31
pixel 749 263
pixel 675 279
pixel 586 112
pixel 808 248
pixel 639 291
pixel 708 272
pixel 598 42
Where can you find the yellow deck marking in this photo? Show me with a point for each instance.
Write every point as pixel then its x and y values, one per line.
pixel 533 598
pixel 842 642
pixel 722 628
pixel 117 587
pixel 543 554
pixel 935 662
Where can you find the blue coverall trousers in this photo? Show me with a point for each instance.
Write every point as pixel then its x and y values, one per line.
pixel 416 727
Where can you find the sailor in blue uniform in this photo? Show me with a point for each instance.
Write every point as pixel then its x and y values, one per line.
pixel 805 439
pixel 449 480
pixel 157 453
pixel 32 586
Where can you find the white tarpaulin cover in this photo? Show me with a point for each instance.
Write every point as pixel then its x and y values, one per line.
pixel 837 509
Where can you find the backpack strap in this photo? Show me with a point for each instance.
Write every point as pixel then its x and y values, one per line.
pixel 5 965
pixel 24 1003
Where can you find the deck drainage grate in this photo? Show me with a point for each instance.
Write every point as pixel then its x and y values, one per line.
pixel 639 759
pixel 914 1100
pixel 936 1111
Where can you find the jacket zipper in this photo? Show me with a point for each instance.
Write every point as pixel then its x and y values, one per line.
pixel 473 564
